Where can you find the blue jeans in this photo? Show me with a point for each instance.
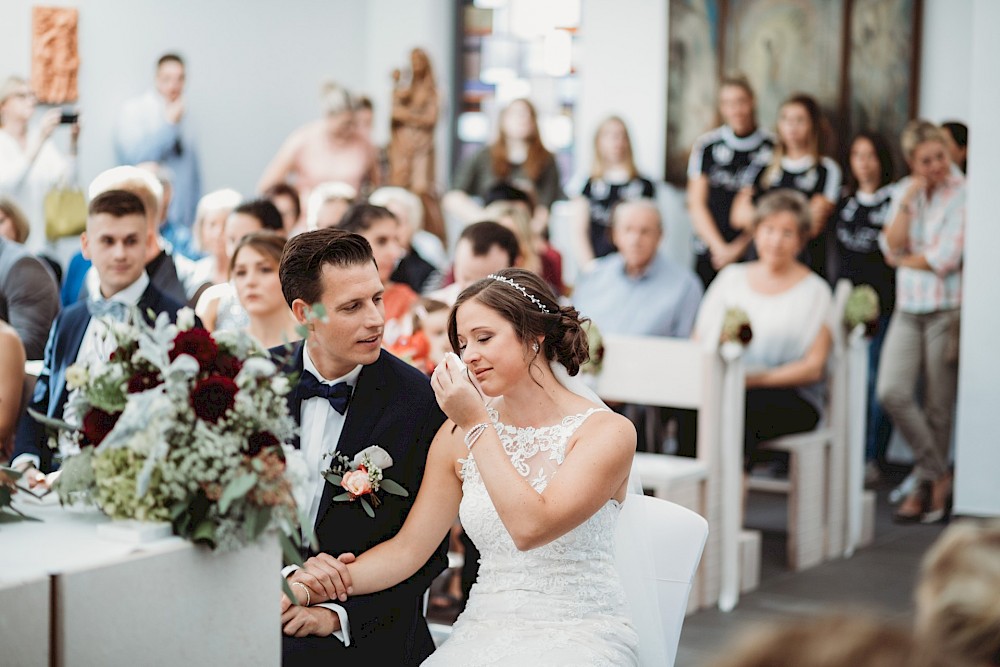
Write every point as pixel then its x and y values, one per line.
pixel 879 429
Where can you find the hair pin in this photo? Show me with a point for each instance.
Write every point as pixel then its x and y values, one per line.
pixel 527 295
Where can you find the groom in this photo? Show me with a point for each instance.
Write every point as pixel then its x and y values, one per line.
pixel 350 395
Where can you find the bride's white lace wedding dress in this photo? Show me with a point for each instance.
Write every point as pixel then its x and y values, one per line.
pixel 559 604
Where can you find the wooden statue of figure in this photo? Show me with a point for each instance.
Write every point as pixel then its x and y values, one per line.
pixel 414 116
pixel 55 59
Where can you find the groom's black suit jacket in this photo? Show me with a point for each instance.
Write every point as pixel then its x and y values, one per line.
pixel 393 407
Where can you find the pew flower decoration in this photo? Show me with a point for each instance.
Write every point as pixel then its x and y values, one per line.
pixel 363 477
pixel 184 426
pixel 862 309
pixel 736 327
pixel 8 487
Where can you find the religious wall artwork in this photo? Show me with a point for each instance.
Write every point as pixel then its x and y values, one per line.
pixel 858 58
pixel 414 117
pixel 55 58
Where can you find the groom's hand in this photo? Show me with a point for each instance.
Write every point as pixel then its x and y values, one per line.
pixel 326 577
pixel 306 621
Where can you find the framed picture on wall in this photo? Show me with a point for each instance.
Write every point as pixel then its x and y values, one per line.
pixel 858 58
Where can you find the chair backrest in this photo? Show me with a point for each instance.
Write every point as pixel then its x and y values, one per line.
pixel 649 370
pixel 676 538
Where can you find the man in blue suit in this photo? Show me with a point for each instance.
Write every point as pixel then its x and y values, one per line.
pixel 115 240
pixel 350 395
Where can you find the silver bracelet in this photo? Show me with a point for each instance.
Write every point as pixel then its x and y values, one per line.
pixel 473 434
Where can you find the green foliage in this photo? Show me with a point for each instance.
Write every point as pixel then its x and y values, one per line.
pixel 862 307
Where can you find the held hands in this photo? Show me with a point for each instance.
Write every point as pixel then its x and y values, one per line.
pixel 323 578
pixel 458 397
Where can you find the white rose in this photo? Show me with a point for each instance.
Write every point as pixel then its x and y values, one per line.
pixel 378 457
pixel 185 319
pixel 76 376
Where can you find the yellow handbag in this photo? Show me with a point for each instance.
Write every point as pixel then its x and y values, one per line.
pixel 65 212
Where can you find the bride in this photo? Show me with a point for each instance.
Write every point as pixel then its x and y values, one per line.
pixel 537 475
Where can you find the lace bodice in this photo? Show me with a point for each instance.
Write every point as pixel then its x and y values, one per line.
pixel 558 604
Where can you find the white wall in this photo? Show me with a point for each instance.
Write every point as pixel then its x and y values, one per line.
pixel 944 60
pixel 254 70
pixel 977 456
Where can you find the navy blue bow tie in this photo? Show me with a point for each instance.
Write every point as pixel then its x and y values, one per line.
pixel 116 310
pixel 338 394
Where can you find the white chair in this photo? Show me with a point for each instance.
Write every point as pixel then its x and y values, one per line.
pixel 676 539
pixel 678 373
pixel 816 484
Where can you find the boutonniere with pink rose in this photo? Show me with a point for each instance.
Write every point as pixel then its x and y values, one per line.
pixel 362 478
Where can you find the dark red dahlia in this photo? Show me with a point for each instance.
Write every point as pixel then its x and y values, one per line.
pixel 96 425
pixel 199 344
pixel 213 397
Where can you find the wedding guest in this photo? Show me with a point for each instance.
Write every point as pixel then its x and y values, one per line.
pixel 352 394
pixel 326 150
pixel 723 162
pixel 516 155
pixel 380 228
pixel 208 237
pixel 31 165
pixel 639 291
pixel 613 178
pixel 515 209
pixel 924 240
pixel 29 296
pixel 958 618
pixel 328 202
pixel 218 306
pixel 12 359
pixel 483 248
pixel 13 225
pixel 115 241
pixel 858 220
pixel 286 199
pixel 254 269
pixel 798 164
pixel 789 311
pixel 835 640
pixel 544 514
pixel 424 254
pixel 157 127
pixel 957 135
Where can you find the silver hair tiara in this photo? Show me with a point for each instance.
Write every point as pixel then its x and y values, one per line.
pixel 527 295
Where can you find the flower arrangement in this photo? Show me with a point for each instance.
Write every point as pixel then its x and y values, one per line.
pixel 8 487
pixel 363 477
pixel 736 327
pixel 184 426
pixel 862 309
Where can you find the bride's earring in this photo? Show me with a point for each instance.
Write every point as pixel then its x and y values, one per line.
pixel 535 347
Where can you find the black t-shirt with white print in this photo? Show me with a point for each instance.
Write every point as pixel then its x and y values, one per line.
pixel 857 222
pixel 730 163
pixel 603 195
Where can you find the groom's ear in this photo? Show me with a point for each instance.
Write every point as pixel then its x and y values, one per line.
pixel 300 310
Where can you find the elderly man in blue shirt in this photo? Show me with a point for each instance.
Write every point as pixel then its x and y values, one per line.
pixel 639 291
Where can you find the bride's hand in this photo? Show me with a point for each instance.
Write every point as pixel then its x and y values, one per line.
pixel 456 394
pixel 326 577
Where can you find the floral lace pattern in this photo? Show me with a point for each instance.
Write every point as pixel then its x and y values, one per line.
pixel 559 604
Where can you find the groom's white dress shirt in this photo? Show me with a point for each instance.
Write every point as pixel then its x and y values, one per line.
pixel 321 427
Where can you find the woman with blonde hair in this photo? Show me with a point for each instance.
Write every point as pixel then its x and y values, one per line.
pixel 324 150
pixel 924 239
pixel 798 164
pixel 13 225
pixel 613 178
pixel 516 155
pixel 536 255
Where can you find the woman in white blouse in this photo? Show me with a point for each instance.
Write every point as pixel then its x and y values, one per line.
pixel 30 164
pixel 789 307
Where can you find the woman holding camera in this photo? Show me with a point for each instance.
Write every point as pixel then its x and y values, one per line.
pixel 31 165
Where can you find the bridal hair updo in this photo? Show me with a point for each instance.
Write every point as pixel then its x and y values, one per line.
pixel 564 341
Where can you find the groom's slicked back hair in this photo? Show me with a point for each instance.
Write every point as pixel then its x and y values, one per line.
pixel 305 255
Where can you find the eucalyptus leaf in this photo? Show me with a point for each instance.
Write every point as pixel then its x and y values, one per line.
pixel 45 420
pixel 257 520
pixel 392 487
pixel 342 497
pixel 333 478
pixel 287 590
pixel 368 508
pixel 236 489
pixel 288 550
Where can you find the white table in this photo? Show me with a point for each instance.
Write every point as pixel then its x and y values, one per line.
pixel 71 598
